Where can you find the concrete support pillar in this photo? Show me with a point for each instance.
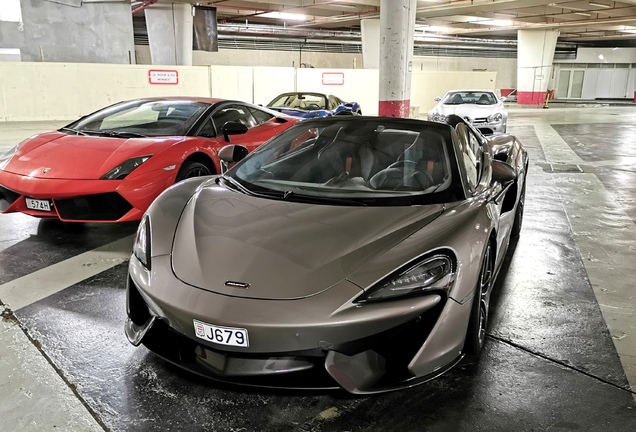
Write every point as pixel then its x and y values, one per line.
pixel 370 43
pixel 397 27
pixel 170 33
pixel 535 53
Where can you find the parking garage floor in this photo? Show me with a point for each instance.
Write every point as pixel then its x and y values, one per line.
pixel 560 353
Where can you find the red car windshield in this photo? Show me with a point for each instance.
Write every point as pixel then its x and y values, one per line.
pixel 140 118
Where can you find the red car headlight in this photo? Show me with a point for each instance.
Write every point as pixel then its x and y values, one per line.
pixel 122 170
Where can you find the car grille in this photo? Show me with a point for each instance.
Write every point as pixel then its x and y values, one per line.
pixel 101 207
pixel 480 120
pixel 7 197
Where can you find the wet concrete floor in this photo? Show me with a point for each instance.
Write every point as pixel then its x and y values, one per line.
pixel 559 355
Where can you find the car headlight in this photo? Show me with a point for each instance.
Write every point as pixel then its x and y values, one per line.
pixel 141 246
pixel 437 117
pixel 434 273
pixel 122 170
pixel 495 118
pixel 6 157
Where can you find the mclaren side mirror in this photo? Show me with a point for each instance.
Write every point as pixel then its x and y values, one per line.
pixel 233 128
pixel 231 154
pixel 437 99
pixel 502 172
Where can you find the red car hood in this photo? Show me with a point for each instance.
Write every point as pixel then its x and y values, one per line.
pixel 56 155
pixel 283 250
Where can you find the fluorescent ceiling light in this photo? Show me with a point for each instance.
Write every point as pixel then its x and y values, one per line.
pixel 582 14
pixel 603 5
pixel 10 11
pixel 508 15
pixel 432 29
pixel 493 22
pixel 285 16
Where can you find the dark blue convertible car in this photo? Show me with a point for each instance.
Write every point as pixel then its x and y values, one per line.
pixel 309 105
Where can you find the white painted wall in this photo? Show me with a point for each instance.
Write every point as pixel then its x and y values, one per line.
pixel 506 68
pixel 64 91
pixel 360 85
pixel 426 86
pixel 269 82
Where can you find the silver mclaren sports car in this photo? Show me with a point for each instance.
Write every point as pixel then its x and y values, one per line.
pixel 483 108
pixel 346 252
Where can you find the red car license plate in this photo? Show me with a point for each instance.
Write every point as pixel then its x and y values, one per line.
pixel 34 204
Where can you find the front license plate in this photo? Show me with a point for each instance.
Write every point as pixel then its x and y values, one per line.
pixel 34 204
pixel 221 335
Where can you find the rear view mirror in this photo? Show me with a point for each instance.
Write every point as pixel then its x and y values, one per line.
pixel 233 128
pixel 231 154
pixel 437 99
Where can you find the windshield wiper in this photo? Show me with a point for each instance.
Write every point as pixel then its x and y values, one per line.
pixel 121 134
pixel 75 131
pixel 236 186
pixel 312 199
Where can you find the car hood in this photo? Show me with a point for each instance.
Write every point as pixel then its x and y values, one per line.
pixel 469 110
pixel 226 241
pixel 55 155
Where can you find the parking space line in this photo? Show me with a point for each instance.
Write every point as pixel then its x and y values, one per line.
pixel 28 289
pixel 605 235
pixel 554 147
pixel 34 396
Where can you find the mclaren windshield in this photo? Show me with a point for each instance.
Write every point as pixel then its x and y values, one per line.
pixel 353 161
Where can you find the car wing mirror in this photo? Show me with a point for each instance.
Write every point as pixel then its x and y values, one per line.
pixel 231 154
pixel 502 172
pixel 503 98
pixel 233 128
pixel 437 99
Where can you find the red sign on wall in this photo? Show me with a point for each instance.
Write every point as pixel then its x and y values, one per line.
pixel 332 78
pixel 156 76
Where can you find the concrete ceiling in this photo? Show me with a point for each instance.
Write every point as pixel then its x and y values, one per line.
pixel 577 21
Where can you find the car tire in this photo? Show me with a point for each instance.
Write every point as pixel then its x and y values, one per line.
pixel 516 226
pixel 190 169
pixel 476 334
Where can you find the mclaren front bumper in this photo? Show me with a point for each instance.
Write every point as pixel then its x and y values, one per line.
pixel 323 341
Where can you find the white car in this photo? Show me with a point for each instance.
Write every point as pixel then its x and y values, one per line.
pixel 483 108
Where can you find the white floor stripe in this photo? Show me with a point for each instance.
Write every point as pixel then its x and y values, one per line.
pixel 34 398
pixel 606 236
pixel 554 147
pixel 42 283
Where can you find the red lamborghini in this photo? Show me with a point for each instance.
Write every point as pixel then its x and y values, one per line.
pixel 110 165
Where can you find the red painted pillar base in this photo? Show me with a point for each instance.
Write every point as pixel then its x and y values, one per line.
pixel 394 108
pixel 531 98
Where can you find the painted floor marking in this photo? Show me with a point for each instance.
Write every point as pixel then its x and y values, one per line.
pixel 605 236
pixel 30 288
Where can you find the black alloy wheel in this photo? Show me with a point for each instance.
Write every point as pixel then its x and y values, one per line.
pixel 191 169
pixel 476 335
